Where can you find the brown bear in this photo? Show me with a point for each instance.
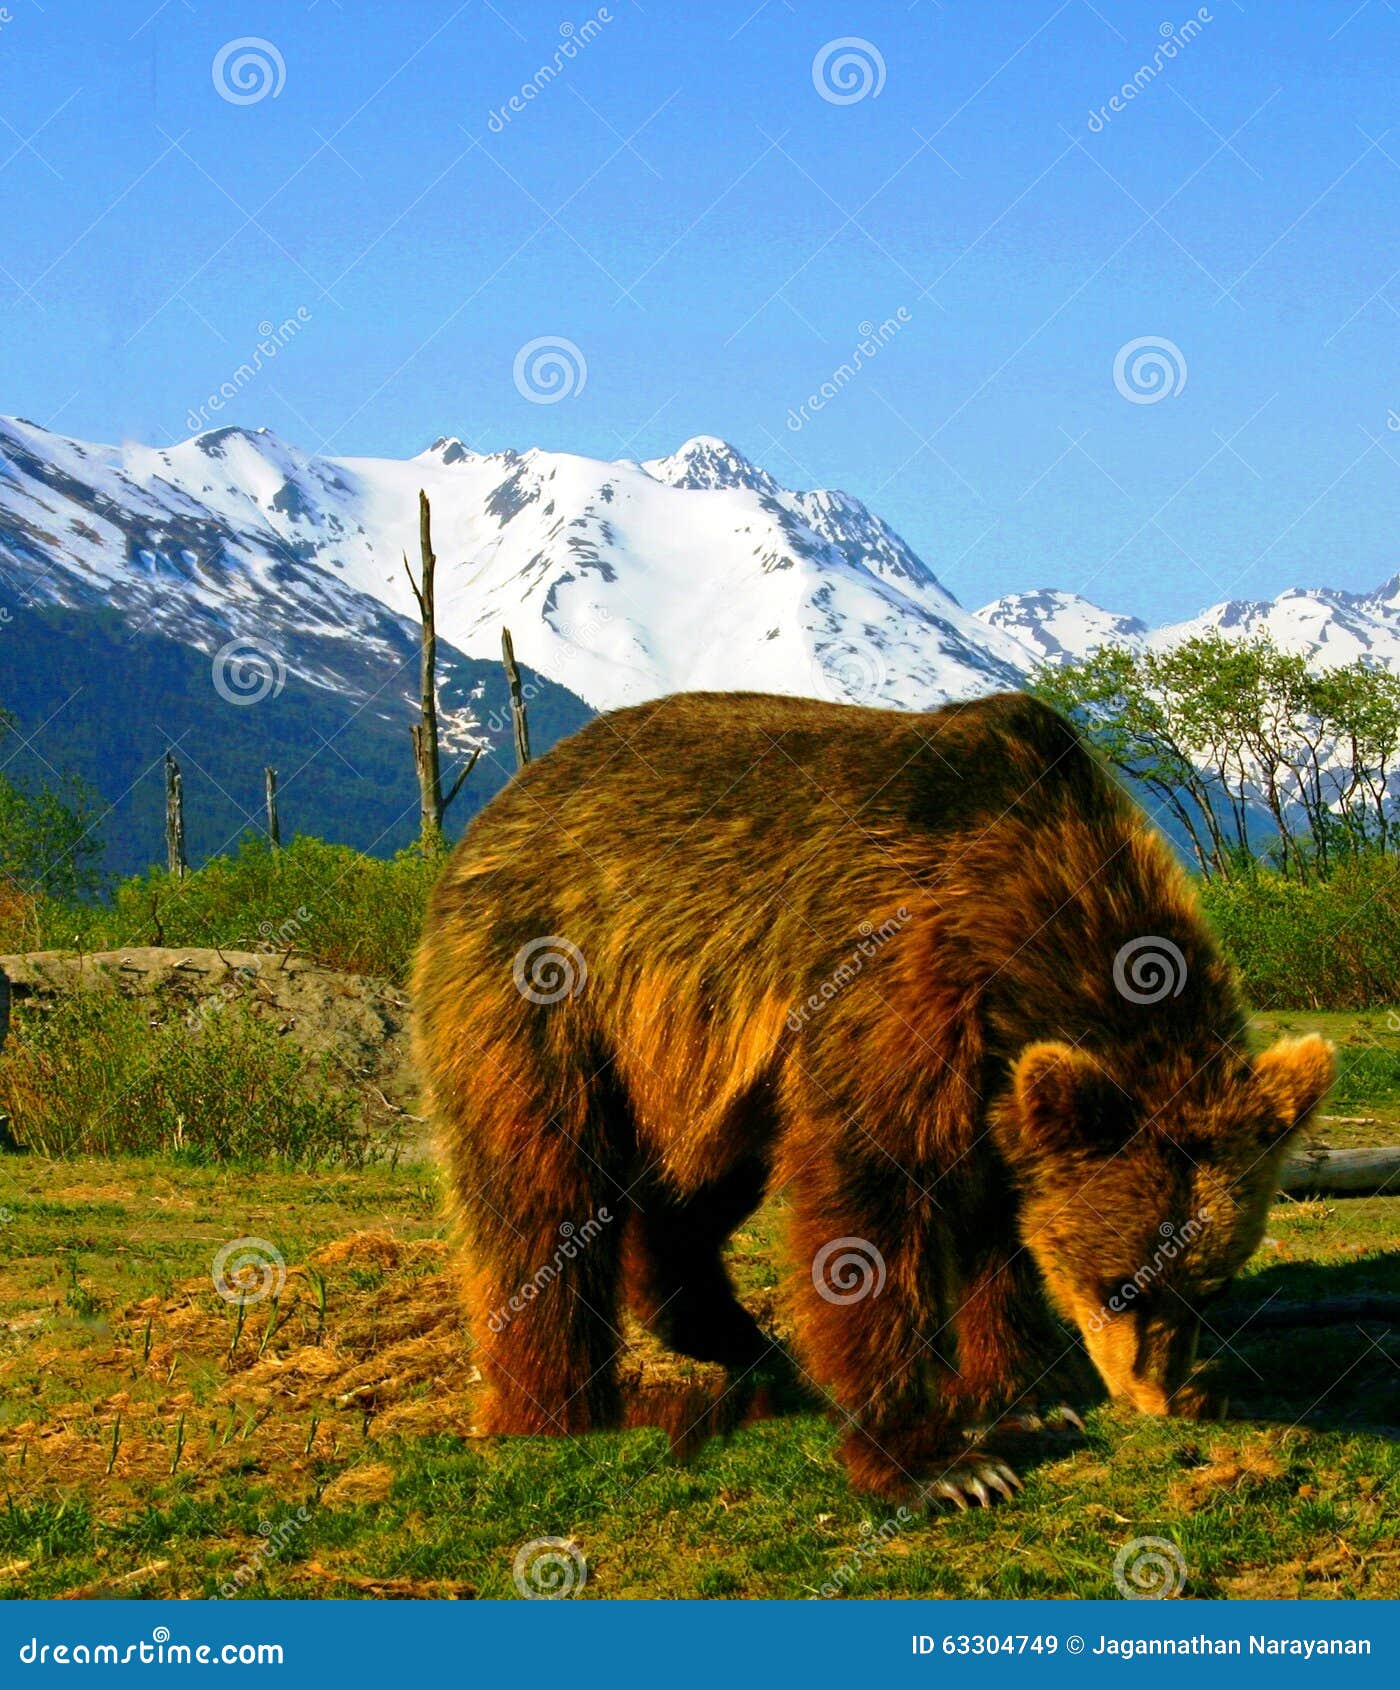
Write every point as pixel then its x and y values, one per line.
pixel 933 975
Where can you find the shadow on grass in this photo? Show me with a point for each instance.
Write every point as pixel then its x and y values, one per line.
pixel 694 1413
pixel 1340 1376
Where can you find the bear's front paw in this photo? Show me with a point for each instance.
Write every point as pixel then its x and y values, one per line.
pixel 975 1476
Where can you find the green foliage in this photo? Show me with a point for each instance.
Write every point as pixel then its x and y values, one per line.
pixel 1254 756
pixel 328 902
pixel 1323 944
pixel 97 1076
pixel 48 841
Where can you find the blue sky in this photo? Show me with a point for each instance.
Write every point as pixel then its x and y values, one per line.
pixel 684 204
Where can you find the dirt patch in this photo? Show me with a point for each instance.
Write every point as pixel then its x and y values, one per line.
pixel 1227 1471
pixel 362 1024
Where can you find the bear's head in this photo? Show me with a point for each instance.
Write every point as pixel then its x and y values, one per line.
pixel 1140 1205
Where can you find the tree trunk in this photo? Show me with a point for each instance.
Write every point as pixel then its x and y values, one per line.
pixel 517 701
pixel 175 860
pixel 427 758
pixel 274 826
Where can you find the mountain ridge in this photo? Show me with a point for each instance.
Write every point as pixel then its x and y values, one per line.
pixel 619 580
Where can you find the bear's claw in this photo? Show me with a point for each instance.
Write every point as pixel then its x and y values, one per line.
pixel 976 1482
pixel 1025 1421
pixel 1066 1414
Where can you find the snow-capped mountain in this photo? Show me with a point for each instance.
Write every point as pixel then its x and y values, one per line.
pixel 1324 624
pixel 1055 627
pixel 136 570
pixel 620 581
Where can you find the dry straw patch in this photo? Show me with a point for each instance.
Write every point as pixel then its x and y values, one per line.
pixel 364 1343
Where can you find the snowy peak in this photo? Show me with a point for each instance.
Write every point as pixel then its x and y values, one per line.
pixel 1055 626
pixel 620 581
pixel 1324 624
pixel 708 464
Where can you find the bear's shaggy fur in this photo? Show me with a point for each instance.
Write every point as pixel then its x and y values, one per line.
pixel 933 975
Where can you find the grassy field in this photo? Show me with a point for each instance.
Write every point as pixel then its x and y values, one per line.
pixel 155 1441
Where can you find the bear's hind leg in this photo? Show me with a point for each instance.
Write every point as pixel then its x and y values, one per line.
pixel 677 1284
pixel 539 1196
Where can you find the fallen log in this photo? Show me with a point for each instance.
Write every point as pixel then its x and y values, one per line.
pixel 1320 1172
pixel 1326 1311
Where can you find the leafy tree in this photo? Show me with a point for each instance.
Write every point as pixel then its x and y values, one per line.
pixel 1228 733
pixel 48 841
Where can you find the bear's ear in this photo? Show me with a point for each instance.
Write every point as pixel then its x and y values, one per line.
pixel 1294 1076
pixel 1063 1102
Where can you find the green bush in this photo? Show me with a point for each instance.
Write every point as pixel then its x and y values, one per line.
pixel 98 1076
pixel 329 902
pixel 1332 944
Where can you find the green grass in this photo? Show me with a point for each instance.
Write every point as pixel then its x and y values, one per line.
pixel 1293 1496
pixel 1363 1108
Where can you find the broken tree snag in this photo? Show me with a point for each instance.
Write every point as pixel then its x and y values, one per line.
pixel 517 701
pixel 427 756
pixel 1320 1172
pixel 274 827
pixel 175 860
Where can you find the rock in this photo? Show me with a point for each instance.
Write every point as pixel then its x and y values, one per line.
pixel 362 1024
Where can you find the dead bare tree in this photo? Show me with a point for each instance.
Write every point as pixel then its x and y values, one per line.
pixel 274 825
pixel 517 701
pixel 427 758
pixel 175 859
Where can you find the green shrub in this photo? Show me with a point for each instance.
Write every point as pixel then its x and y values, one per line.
pixel 1332 944
pixel 97 1075
pixel 329 902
